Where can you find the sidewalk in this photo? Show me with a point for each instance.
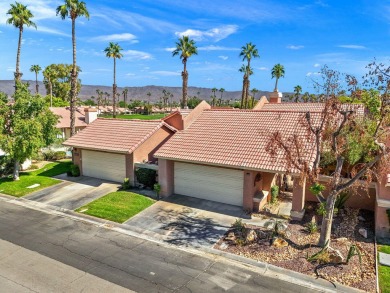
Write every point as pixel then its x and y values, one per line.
pixel 259 267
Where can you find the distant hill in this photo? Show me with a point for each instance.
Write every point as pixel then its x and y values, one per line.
pixel 139 93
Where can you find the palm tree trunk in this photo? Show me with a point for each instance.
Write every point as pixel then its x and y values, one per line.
pixel 243 92
pixel 276 85
pixel 185 84
pixel 114 92
pixel 18 75
pixel 16 170
pixel 247 93
pixel 73 86
pixel 51 94
pixel 36 83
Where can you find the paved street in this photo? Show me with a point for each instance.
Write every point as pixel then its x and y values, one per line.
pixel 119 259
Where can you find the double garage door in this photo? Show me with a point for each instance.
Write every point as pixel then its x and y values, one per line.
pixel 211 183
pixel 102 165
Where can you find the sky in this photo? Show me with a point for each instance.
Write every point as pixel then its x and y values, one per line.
pixel 303 36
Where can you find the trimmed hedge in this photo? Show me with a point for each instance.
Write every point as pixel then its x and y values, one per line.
pixel 146 177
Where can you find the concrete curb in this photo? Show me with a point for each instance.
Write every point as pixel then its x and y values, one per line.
pixel 261 267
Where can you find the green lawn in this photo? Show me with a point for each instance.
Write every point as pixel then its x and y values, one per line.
pixel 117 206
pixel 41 176
pixel 135 116
pixel 384 272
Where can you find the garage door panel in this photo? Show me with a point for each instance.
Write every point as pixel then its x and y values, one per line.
pixel 104 165
pixel 206 182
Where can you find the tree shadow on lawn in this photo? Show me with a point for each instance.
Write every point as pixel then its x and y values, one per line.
pixel 188 230
pixel 60 168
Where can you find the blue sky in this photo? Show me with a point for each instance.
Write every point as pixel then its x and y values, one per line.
pixel 301 35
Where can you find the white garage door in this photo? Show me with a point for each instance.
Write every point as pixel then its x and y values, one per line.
pixel 212 183
pixel 104 165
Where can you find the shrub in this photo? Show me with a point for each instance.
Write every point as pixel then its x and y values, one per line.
pixel 317 188
pixel 321 209
pixel 38 157
pixel 146 177
pixel 6 166
pixel 341 200
pixel 311 227
pixel 274 193
pixel 238 225
pixel 157 189
pixel 60 155
pixel 49 155
pixel 75 170
pixel 126 184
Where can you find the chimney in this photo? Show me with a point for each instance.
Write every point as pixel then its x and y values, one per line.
pixel 90 115
pixel 275 97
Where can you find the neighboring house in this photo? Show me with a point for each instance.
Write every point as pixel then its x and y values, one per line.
pixel 110 148
pixel 81 121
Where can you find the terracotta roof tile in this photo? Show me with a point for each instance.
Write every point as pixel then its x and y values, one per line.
pixel 115 135
pixel 234 138
pixel 305 107
pixel 64 114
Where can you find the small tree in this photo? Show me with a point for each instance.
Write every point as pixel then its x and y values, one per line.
pixel 339 133
pixel 26 126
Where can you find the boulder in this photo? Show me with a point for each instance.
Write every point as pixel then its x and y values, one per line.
pixel 361 219
pixel 251 236
pixel 230 236
pixel 279 242
pixel 335 256
pixel 363 232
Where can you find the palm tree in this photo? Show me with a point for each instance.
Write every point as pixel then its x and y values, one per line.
pixel 221 90
pixel 36 69
pixel 254 92
pixel 297 92
pixel 124 93
pixel 277 72
pixel 185 48
pixel 50 74
pixel 20 16
pixel 149 94
pixel 114 51
pixel 245 85
pixel 248 52
pixel 214 90
pixel 73 9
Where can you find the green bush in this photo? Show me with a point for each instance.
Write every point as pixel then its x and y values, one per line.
pixel 341 200
pixel 321 209
pixel 38 157
pixel 49 155
pixel 60 155
pixel 75 170
pixel 126 184
pixel 157 189
pixel 6 166
pixel 238 225
pixel 146 177
pixel 33 167
pixel 274 193
pixel 311 227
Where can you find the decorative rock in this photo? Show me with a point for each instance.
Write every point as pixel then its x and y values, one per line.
pixel 261 234
pixel 341 239
pixel 363 232
pixel 223 246
pixel 384 259
pixel 251 236
pixel 230 236
pixel 279 242
pixel 335 256
pixel 361 219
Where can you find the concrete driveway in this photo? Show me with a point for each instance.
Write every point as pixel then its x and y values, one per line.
pixel 187 221
pixel 73 192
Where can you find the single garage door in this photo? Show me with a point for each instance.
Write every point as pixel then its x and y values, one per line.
pixel 104 165
pixel 212 183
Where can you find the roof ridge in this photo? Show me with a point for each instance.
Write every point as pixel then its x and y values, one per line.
pixel 123 119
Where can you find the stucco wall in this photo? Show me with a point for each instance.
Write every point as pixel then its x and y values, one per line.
pixel 382 225
pixel 166 177
pixel 147 149
pixel 77 158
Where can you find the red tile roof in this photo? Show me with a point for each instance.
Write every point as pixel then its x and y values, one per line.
pixel 64 114
pixel 306 107
pixel 115 135
pixel 234 138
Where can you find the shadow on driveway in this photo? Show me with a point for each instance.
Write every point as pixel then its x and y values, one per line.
pixel 187 221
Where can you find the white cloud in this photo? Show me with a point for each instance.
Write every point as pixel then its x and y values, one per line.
pixel 312 73
pixel 317 65
pixel 263 68
pixel 355 47
pixel 295 47
pixel 169 49
pixel 11 69
pixel 214 34
pixel 166 73
pixel 217 48
pixel 131 55
pixel 223 57
pixel 130 74
pixel 125 37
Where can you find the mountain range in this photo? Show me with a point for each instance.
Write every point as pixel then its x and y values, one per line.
pixel 137 93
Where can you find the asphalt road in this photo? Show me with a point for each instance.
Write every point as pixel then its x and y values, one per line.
pixel 129 262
